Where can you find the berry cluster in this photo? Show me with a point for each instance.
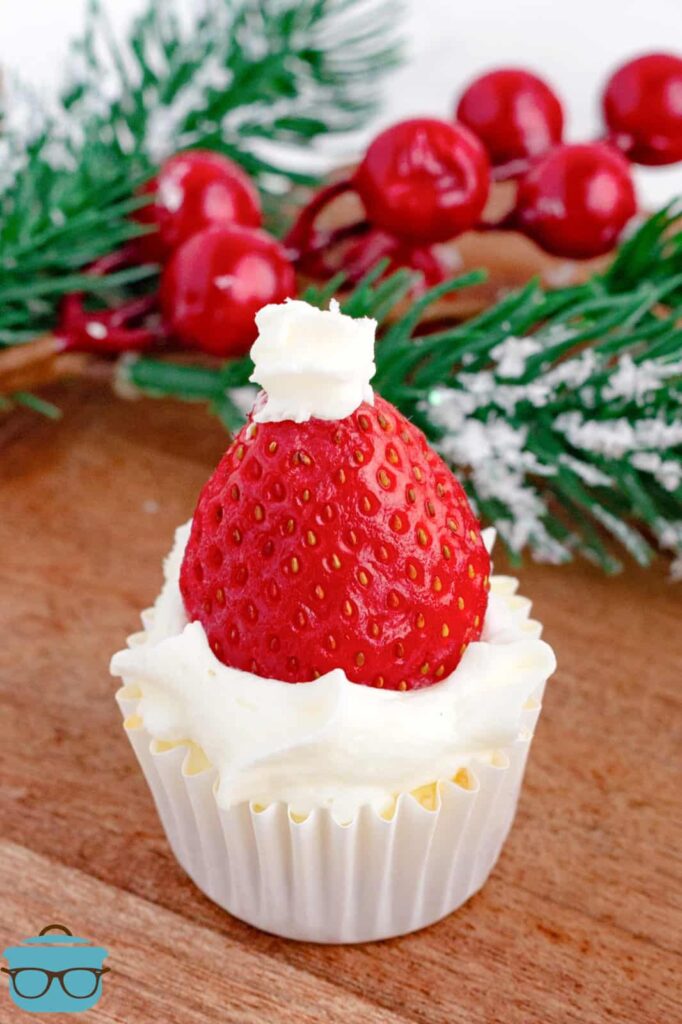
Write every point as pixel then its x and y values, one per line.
pixel 218 266
pixel 424 181
pixel 420 183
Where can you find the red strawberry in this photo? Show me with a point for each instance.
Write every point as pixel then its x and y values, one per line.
pixel 337 544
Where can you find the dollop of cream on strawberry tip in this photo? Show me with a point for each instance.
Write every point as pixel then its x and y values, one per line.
pixel 331 742
pixel 311 363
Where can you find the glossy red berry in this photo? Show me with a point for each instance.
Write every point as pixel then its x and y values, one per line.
pixel 215 283
pixel 425 180
pixel 576 200
pixel 642 105
pixel 514 113
pixel 194 190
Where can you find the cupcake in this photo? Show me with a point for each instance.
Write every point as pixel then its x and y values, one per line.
pixel 332 698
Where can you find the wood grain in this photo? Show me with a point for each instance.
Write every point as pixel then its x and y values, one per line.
pixel 580 921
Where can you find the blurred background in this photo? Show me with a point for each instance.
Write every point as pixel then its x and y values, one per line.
pixel 572 44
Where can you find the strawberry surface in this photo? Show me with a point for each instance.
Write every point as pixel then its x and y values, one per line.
pixel 337 544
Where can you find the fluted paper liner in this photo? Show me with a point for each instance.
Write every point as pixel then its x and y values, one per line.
pixel 316 880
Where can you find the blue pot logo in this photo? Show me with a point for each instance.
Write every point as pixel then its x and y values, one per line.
pixel 55 973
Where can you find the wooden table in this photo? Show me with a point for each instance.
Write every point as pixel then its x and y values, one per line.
pixel 578 922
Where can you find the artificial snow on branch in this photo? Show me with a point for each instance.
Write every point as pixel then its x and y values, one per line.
pixel 561 411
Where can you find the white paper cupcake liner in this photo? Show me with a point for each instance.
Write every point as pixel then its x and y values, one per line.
pixel 321 881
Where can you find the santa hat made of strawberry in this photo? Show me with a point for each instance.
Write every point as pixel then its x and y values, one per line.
pixel 331 536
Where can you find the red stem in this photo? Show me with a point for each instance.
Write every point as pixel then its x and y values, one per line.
pixel 303 237
pixel 511 170
pixel 112 261
pixel 107 331
pixel 80 332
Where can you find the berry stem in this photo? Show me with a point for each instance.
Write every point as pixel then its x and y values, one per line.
pixel 511 170
pixel 65 353
pixel 108 332
pixel 341 234
pixel 303 238
pixel 81 334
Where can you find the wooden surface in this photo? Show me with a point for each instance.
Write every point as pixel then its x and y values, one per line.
pixel 580 920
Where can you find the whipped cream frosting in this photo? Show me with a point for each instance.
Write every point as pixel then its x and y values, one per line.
pixel 311 362
pixel 331 742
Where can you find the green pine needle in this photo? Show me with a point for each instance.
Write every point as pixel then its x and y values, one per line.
pixel 259 80
pixel 37 404
pixel 561 411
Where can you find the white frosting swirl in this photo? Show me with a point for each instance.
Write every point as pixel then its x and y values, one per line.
pixel 311 362
pixel 331 742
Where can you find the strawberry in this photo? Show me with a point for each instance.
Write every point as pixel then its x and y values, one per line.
pixel 337 544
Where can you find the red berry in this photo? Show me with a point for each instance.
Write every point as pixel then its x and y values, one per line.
pixel 215 283
pixel 194 190
pixel 363 253
pixel 336 544
pixel 424 180
pixel 642 105
pixel 515 114
pixel 576 200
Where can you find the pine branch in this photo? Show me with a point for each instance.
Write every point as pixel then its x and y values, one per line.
pixel 240 76
pixel 561 411
pixel 260 80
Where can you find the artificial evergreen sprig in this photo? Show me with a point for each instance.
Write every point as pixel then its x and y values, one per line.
pixel 255 79
pixel 561 410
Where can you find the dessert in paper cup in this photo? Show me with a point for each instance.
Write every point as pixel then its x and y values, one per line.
pixel 333 699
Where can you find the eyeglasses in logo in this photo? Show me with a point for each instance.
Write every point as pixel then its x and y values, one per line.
pixel 55 973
